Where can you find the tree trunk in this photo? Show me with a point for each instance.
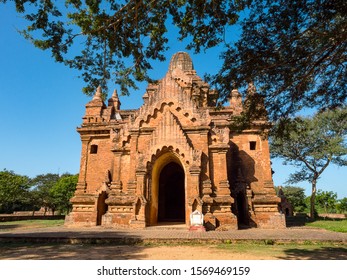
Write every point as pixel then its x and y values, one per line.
pixel 313 198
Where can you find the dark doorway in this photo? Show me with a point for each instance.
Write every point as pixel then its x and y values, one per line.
pixel 102 207
pixel 242 213
pixel 171 205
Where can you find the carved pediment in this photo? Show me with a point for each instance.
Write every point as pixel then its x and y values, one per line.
pixel 187 116
pixel 169 131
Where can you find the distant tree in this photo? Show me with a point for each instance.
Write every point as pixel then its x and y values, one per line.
pixel 63 191
pixel 327 200
pixel 311 144
pixel 341 205
pixel 33 200
pixel 41 191
pixel 14 190
pixel 296 197
pixel 293 51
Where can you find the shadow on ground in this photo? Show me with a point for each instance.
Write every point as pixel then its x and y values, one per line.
pixel 323 253
pixel 69 245
pixel 24 251
pixel 9 227
pixel 53 251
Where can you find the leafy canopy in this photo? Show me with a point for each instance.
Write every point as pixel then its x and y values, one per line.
pixel 14 189
pixel 53 191
pixel 63 191
pixel 41 193
pixel 327 200
pixel 50 191
pixel 342 205
pixel 293 51
pixel 119 40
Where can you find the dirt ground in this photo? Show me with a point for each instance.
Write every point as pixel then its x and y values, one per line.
pixel 179 252
pixel 250 250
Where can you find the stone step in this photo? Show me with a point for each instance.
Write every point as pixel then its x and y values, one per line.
pixel 168 226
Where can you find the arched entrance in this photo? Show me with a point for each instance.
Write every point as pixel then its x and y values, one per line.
pixel 171 203
pixel 167 201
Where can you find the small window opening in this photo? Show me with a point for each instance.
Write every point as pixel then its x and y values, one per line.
pixel 94 149
pixel 252 145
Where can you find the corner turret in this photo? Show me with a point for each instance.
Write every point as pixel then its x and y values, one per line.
pixel 94 107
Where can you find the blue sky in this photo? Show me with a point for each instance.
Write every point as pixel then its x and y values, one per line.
pixel 41 105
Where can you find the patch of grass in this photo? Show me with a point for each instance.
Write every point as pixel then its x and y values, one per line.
pixel 290 250
pixel 28 224
pixel 337 225
pixel 269 242
pixel 159 243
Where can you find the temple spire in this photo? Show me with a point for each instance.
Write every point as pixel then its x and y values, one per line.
pixel 114 100
pixel 254 103
pixel 115 94
pixel 235 98
pixel 98 94
pixel 251 90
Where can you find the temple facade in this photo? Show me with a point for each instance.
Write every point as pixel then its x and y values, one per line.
pixel 176 154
